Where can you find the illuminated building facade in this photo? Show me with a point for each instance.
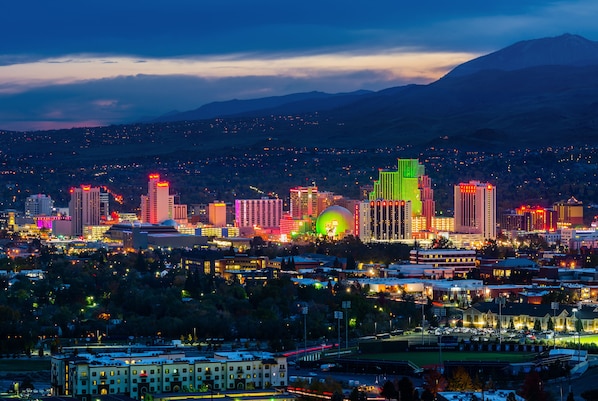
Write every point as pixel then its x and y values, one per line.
pixel 157 205
pixel 84 208
pixel 475 209
pixel 383 221
pixel 265 213
pixel 569 212
pixel 407 183
pixel 217 214
pixel 38 205
pixel 304 202
pixel 87 376
pixel 537 218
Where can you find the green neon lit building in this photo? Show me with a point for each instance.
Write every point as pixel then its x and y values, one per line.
pixel 402 184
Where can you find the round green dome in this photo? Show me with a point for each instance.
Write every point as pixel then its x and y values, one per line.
pixel 334 221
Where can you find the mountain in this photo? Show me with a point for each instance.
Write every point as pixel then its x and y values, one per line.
pixel 298 102
pixel 534 91
pixel 567 49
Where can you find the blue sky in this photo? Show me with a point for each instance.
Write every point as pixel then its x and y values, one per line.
pixel 76 63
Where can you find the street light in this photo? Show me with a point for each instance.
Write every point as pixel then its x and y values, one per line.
pixel 304 312
pixel 575 326
pixel 346 306
pixel 339 315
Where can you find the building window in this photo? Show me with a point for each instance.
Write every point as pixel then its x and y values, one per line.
pixel 112 381
pixel 134 380
pixel 152 380
pixel 83 391
pixel 217 368
pixel 94 383
pixel 230 368
pixel 134 372
pixel 152 371
pixel 184 370
pixel 166 371
pixel 94 373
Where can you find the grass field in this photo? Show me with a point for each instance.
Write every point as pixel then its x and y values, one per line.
pixel 432 358
pixel 24 365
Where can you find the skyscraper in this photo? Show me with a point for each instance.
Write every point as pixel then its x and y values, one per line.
pixel 157 205
pixel 407 183
pixel 475 209
pixel 304 202
pixel 84 208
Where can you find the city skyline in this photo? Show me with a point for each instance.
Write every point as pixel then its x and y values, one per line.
pixel 113 63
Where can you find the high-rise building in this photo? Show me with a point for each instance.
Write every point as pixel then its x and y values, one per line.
pixel 38 205
pixel 407 183
pixel 383 221
pixel 217 214
pixel 264 213
pixel 569 212
pixel 84 208
pixel 537 218
pixel 304 202
pixel 104 205
pixel 157 205
pixel 475 209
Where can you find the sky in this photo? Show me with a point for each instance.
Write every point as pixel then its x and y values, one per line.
pixel 79 63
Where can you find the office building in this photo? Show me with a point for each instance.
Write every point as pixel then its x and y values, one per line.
pixel 263 213
pixel 84 208
pixel 38 205
pixel 475 209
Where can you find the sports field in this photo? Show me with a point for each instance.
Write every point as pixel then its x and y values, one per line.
pixel 24 365
pixel 433 358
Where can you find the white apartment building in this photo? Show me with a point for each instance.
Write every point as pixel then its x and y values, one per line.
pixel 85 376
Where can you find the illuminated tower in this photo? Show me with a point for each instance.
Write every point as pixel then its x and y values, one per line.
pixel 407 183
pixel 475 209
pixel 304 202
pixel 157 205
pixel 84 208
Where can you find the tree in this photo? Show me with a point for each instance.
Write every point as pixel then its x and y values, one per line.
pixel 337 396
pixel 434 383
pixel 550 324
pixel 531 389
pixel 578 325
pixel 388 390
pixel 461 380
pixel 537 325
pixel 406 389
pixel 570 397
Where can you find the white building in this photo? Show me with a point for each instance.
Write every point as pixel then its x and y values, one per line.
pixel 263 213
pixel 384 221
pixel 36 205
pixel 460 261
pixel 86 376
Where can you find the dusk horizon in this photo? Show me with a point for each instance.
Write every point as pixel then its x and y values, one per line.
pixel 114 64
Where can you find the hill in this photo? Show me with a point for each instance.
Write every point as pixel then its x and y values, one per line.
pixel 535 91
